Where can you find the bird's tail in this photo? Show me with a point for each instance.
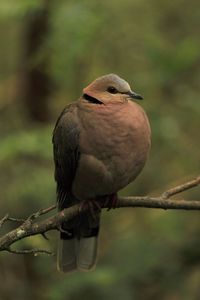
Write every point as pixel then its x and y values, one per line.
pixel 77 249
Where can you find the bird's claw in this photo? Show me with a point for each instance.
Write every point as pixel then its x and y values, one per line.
pixel 111 201
pixel 92 206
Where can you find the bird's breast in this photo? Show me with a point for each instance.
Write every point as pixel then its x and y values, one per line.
pixel 114 143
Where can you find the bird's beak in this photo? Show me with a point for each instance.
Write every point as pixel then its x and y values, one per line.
pixel 133 95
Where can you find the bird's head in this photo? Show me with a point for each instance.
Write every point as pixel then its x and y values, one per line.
pixel 109 89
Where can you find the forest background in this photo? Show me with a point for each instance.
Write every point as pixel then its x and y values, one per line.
pixel 49 51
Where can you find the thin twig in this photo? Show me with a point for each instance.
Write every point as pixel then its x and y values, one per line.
pixel 16 220
pixel 7 218
pixel 3 220
pixel 40 213
pixel 30 251
pixel 44 236
pixel 181 188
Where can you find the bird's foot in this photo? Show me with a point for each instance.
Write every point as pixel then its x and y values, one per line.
pixel 93 206
pixel 111 201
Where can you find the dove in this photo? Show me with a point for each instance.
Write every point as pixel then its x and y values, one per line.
pixel 100 143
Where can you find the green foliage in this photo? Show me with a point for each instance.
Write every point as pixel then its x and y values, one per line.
pixel 36 142
pixel 12 8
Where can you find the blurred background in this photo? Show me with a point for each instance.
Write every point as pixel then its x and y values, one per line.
pixel 49 51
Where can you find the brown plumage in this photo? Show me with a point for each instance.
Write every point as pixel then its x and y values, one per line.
pixel 101 143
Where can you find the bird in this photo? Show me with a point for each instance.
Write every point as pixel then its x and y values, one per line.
pixel 100 144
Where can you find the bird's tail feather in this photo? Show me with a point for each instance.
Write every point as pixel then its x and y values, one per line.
pixel 77 254
pixel 77 249
pixel 66 256
pixel 87 253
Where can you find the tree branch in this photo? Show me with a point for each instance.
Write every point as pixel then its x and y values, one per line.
pixel 30 227
pixel 30 251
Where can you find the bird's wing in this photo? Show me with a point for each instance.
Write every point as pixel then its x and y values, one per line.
pixel 66 153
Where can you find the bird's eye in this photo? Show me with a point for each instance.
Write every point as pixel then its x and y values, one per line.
pixel 112 90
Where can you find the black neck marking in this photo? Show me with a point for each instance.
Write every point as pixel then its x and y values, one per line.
pixel 91 99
